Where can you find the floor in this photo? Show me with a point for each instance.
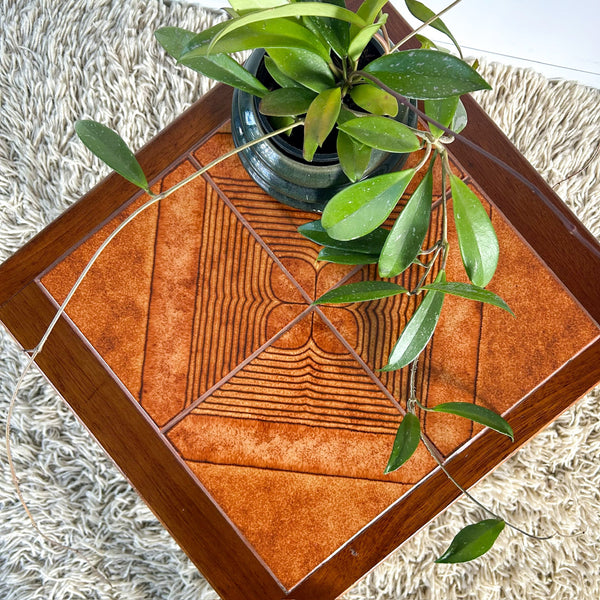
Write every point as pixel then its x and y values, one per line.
pixel 558 39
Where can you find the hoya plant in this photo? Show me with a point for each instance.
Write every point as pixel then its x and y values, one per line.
pixel 322 83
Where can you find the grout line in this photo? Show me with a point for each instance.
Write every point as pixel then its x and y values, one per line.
pixel 186 411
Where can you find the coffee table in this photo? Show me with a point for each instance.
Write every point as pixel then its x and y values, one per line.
pixel 257 426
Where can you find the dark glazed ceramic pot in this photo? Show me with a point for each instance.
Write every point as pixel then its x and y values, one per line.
pixel 278 167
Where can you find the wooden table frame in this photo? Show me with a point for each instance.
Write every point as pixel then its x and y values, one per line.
pixel 74 369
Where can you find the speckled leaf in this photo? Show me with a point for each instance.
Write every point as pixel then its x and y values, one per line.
pixel 382 133
pixel 305 67
pixel 320 119
pixel 418 330
pixel 361 39
pixel 282 33
pixel 346 257
pixel 472 541
pixel 369 9
pixel 297 9
pixel 460 118
pixel 110 148
pixel 286 102
pixel 476 236
pixel 281 79
pixel 371 243
pixel 374 100
pixel 426 74
pixel 174 39
pixel 406 237
pixel 362 207
pixel 442 111
pixel 479 414
pixel 471 292
pixel 334 31
pixel 354 157
pixel 406 442
pixel 361 292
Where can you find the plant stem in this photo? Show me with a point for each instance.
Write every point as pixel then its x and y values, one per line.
pixel 435 457
pixel 445 171
pixel 428 22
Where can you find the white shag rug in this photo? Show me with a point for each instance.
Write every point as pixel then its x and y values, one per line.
pixel 61 61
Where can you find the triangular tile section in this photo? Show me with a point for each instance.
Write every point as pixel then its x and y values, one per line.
pixel 275 223
pixel 203 293
pixel 270 428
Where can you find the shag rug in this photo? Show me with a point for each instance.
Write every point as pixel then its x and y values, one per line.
pixel 61 61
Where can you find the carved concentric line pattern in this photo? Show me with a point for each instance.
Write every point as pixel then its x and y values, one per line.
pixel 303 418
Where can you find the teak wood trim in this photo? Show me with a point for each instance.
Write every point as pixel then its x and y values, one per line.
pixel 107 197
pixel 138 448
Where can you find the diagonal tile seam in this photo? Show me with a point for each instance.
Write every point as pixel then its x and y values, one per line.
pixel 188 409
pixel 188 471
pixel 368 370
pixel 249 227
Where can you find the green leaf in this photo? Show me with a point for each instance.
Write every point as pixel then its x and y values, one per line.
pixel 334 31
pixel 354 157
pixel 221 67
pixel 361 39
pixel 374 100
pixel 286 102
pixel 361 292
pixel 320 119
pixel 418 330
pixel 347 257
pixel 281 33
pixel 406 442
pixel 281 122
pixel 110 148
pixel 305 67
pixel 382 133
pixel 426 74
pixel 421 12
pixel 297 9
pixel 283 80
pixel 442 111
pixel 471 292
pixel 476 236
pixel 460 118
pixel 406 237
pixel 174 39
pixel 369 10
pixel 472 541
pixel 425 42
pixel 368 244
pixel 477 413
pixel 362 207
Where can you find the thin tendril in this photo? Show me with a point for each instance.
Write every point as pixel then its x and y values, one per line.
pixel 473 499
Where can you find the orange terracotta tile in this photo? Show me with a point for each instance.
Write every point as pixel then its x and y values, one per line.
pixel 304 418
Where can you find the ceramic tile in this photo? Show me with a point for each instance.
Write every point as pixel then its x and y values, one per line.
pixel 303 418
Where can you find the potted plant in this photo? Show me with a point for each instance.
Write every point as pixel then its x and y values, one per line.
pixel 316 81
